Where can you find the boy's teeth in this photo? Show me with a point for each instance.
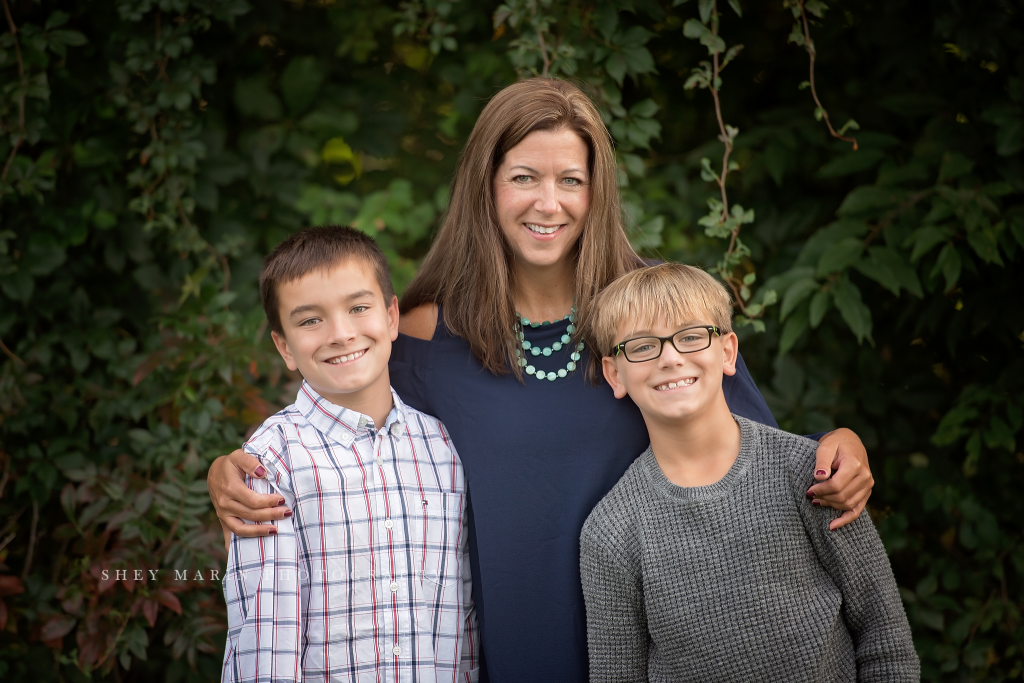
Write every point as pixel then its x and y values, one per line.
pixel 674 385
pixel 541 229
pixel 343 359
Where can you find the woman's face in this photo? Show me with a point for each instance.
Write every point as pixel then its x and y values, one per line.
pixel 542 194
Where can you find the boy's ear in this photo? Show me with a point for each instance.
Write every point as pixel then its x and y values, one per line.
pixel 282 348
pixel 730 350
pixel 611 375
pixel 393 318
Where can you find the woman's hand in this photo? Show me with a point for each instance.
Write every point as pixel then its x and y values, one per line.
pixel 841 455
pixel 234 501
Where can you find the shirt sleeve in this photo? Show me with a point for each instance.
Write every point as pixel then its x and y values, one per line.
pixel 744 398
pixel 617 636
pixel 855 559
pixel 262 587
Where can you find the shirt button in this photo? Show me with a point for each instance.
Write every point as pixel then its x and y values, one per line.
pixel 397 650
pixel 362 422
pixel 388 524
pixel 380 462
pixel 396 429
pixel 394 589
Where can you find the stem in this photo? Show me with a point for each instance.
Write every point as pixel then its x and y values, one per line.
pixel 21 98
pixel 809 44
pixel 3 347
pixel 31 540
pixel 98 664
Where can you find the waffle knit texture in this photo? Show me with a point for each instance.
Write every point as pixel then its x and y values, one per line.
pixel 740 580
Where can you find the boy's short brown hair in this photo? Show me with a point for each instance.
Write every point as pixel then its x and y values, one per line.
pixel 314 249
pixel 668 292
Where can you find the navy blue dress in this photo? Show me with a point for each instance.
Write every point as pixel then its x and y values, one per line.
pixel 538 456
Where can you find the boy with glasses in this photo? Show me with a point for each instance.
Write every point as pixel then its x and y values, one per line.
pixel 707 562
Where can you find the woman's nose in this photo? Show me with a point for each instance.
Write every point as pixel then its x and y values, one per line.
pixel 547 202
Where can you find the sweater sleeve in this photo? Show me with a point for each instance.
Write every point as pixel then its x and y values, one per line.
pixel 617 636
pixel 856 561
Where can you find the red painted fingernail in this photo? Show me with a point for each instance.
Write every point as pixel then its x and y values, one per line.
pixel 287 513
pixel 280 501
pixel 260 471
pixel 273 530
pixel 816 503
pixel 810 494
pixel 820 473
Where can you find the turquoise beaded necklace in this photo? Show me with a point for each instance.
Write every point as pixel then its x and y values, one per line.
pixel 566 339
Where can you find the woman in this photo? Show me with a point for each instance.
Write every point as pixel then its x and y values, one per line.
pixel 532 233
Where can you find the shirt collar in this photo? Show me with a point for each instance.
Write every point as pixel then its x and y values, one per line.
pixel 342 424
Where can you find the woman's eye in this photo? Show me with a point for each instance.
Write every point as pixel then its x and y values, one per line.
pixel 573 182
pixel 521 179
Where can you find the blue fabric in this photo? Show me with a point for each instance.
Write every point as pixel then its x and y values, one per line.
pixel 538 456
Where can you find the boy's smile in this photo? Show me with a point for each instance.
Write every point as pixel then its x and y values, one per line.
pixel 338 332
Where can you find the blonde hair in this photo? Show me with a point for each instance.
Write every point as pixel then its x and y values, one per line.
pixel 672 293
pixel 468 270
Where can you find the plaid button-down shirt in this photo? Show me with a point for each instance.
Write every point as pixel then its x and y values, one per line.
pixel 369 580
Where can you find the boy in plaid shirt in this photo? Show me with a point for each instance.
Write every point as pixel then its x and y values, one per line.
pixel 367 577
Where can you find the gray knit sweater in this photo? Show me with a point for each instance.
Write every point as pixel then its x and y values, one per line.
pixel 740 580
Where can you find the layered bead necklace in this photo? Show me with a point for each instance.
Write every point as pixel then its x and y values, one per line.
pixel 527 347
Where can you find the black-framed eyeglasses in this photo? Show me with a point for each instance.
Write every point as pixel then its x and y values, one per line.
pixel 688 340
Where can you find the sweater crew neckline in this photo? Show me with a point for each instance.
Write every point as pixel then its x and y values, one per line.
pixel 650 467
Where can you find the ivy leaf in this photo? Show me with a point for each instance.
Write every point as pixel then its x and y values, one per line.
pixel 616 67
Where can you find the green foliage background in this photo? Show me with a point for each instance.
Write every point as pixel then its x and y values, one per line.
pixel 154 150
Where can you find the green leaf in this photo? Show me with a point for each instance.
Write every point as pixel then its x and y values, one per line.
pixel 705 7
pixel 56 20
pixel 870 197
pixel 797 293
pixel 913 104
pixel 924 239
pixel 791 331
pixel 820 303
pixel 735 4
pixel 983 241
pixel 905 275
pixel 853 162
pixel 254 98
pixel 840 256
pixel 880 273
pixel 616 67
pixel 644 108
pixel 300 82
pixel 954 165
pixel 949 265
pixel 851 307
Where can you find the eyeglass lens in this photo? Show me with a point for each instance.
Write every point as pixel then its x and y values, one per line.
pixel 685 341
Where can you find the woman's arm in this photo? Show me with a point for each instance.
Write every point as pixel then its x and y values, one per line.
pixel 842 459
pixel 235 502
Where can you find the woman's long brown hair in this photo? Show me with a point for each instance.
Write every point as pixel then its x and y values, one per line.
pixel 468 270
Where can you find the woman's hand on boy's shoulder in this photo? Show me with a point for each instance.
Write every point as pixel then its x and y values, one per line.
pixel 841 467
pixel 419 322
pixel 235 502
